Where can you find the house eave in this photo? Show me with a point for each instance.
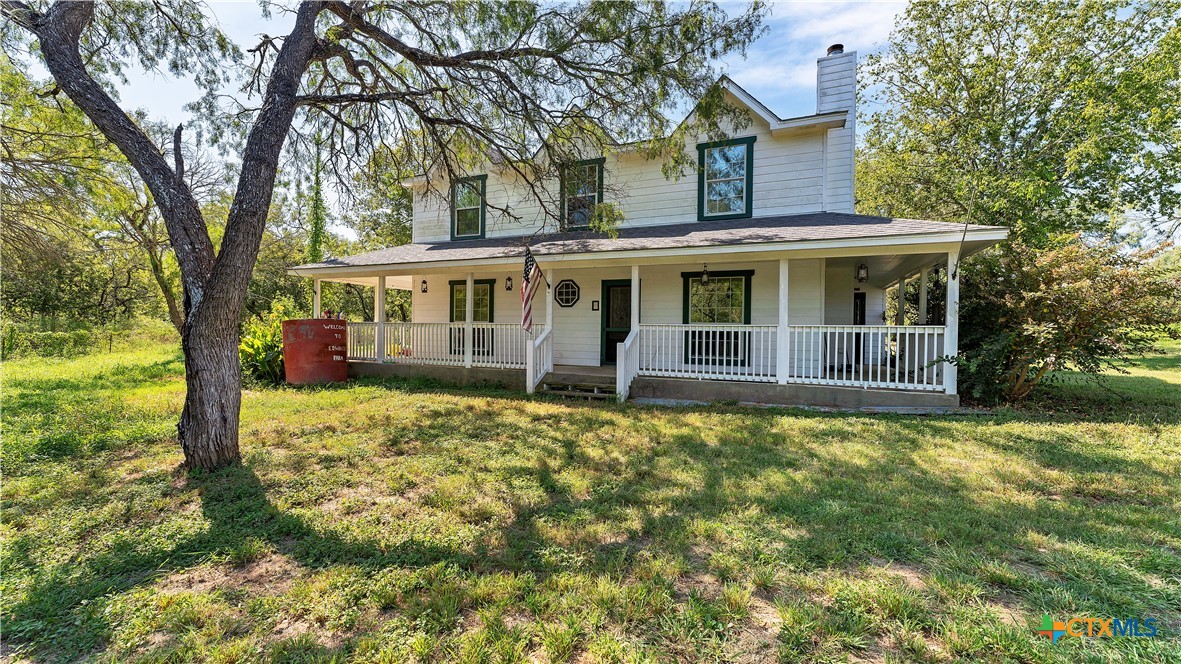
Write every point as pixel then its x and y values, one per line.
pixel 974 240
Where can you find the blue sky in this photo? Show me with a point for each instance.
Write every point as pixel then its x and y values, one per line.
pixel 780 69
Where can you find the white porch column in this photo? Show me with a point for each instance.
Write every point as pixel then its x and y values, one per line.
pixel 549 300
pixel 923 295
pixel 315 298
pixel 379 317
pixel 951 332
pixel 900 317
pixel 781 342
pixel 635 289
pixel 468 309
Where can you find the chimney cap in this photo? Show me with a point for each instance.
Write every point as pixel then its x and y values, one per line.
pixel 836 49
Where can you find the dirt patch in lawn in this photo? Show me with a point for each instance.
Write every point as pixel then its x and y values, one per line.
pixel 755 640
pixel 911 575
pixel 273 574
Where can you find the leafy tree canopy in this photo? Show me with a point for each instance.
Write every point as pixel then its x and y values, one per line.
pixel 1041 116
pixel 460 84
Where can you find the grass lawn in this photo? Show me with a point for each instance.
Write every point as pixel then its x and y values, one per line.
pixel 395 521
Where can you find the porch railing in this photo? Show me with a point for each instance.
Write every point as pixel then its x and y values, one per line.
pixel 627 357
pixel 867 356
pixel 425 343
pixel 499 345
pixel 362 338
pixel 883 356
pixel 722 352
pixel 540 359
pixel 870 356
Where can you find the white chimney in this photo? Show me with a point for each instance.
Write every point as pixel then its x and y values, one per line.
pixel 836 90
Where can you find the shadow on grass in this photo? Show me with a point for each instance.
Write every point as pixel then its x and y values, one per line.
pixel 813 509
pixel 59 614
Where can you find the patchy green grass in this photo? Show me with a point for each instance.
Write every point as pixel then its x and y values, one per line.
pixel 389 522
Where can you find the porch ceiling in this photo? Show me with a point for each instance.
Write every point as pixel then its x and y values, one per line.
pixel 888 269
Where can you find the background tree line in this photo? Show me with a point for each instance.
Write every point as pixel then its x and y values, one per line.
pixel 85 248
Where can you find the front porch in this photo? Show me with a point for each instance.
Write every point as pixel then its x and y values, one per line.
pixel 824 351
pixel 807 301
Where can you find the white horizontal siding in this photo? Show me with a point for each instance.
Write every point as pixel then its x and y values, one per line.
pixel 789 174
pixel 434 305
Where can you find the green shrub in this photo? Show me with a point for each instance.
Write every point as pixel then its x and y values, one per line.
pixel 261 348
pixel 1027 312
pixel 15 342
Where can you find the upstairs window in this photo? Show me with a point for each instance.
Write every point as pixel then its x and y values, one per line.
pixel 467 208
pixel 724 177
pixel 581 191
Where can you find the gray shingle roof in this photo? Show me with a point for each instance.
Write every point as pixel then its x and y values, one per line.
pixel 763 230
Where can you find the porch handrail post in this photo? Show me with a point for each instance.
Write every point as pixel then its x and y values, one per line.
pixel 549 299
pixel 900 316
pixel 530 364
pixel 923 295
pixel 315 298
pixel 781 333
pixel 951 323
pixel 468 314
pixel 379 318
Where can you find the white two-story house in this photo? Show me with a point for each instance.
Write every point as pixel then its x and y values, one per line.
pixel 753 281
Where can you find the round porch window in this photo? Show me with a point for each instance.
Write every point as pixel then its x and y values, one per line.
pixel 566 293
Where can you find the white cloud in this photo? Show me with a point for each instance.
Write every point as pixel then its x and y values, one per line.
pixel 780 68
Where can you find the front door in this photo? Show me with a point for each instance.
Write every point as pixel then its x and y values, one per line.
pixel 617 316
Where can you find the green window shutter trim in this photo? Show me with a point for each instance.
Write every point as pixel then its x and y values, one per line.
pixel 749 142
pixel 483 181
pixel 490 283
pixel 686 277
pixel 562 187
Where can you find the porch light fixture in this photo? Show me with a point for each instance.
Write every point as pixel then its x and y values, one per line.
pixel 863 272
pixel 508 283
pixel 422 287
pixel 704 274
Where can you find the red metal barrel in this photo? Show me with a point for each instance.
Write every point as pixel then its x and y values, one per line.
pixel 315 350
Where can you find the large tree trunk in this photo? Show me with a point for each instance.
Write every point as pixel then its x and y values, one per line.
pixel 208 427
pixel 214 284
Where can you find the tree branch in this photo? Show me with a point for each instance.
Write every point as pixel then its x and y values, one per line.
pixel 177 155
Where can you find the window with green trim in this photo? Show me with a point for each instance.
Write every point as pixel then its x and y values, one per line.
pixel 582 190
pixel 724 299
pixel 720 300
pixel 483 307
pixel 467 208
pixel 724 178
pixel 481 301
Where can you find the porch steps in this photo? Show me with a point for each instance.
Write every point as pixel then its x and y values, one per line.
pixel 578 384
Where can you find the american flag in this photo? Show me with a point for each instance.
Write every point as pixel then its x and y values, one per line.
pixel 532 280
